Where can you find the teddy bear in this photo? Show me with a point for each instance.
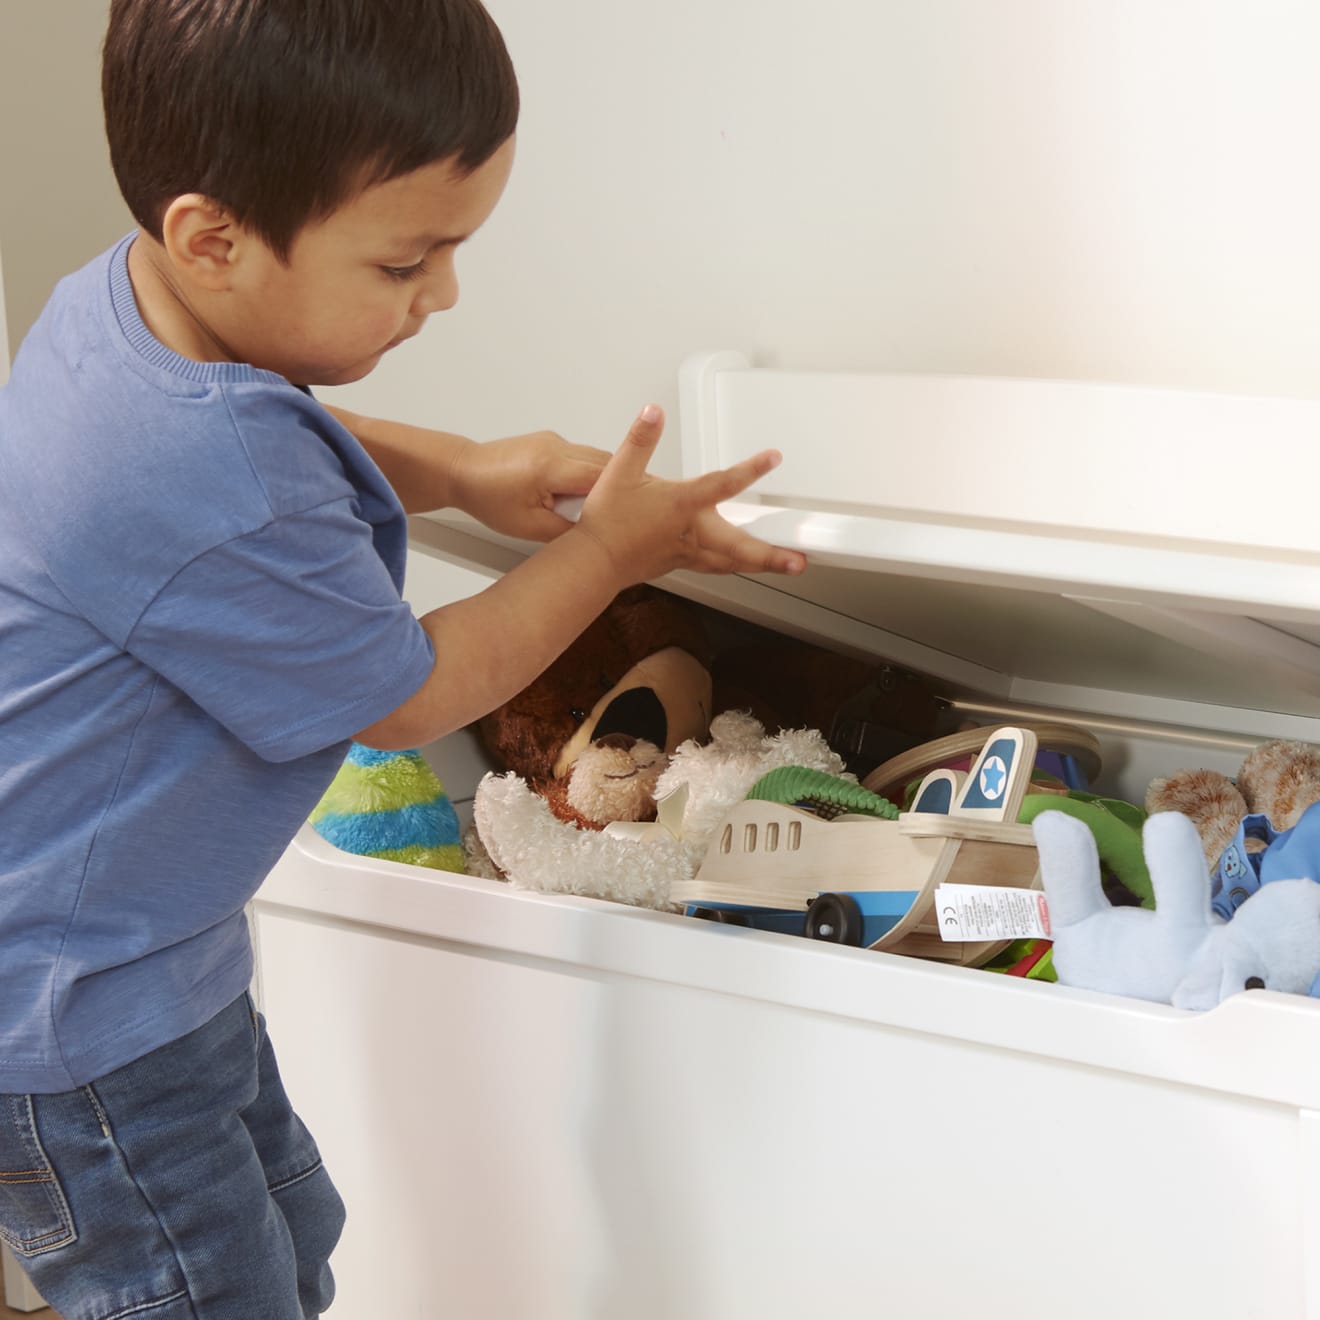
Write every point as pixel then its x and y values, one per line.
pixel 592 734
pixel 523 841
pixel 1264 815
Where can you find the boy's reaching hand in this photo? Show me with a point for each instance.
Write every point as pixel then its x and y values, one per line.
pixel 510 485
pixel 633 527
pixel 649 526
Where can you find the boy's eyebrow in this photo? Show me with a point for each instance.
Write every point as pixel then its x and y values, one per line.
pixel 406 246
pixel 431 241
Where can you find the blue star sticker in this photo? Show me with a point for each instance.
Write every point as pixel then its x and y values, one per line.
pixel 993 774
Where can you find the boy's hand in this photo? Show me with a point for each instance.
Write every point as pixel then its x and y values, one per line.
pixel 510 485
pixel 649 526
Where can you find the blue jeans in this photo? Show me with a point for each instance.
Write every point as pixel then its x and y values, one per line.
pixel 181 1186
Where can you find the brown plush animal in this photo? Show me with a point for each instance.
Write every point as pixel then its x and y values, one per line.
pixel 594 732
pixel 1278 779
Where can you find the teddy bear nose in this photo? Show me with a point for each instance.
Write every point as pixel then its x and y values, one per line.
pixel 636 714
pixel 622 742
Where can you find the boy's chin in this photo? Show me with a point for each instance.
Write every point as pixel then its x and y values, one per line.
pixel 343 375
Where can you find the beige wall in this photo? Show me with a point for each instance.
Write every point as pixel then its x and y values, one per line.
pixel 4 338
pixel 1103 189
pixel 58 202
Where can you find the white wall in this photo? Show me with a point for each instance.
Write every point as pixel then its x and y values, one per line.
pixel 4 339
pixel 1105 189
pixel 59 205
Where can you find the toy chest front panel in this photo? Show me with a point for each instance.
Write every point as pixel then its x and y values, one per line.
pixel 556 1107
pixel 547 1107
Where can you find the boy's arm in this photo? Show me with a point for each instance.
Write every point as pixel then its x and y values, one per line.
pixel 634 527
pixel 509 485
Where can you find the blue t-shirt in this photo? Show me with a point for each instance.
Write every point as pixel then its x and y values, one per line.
pixel 200 576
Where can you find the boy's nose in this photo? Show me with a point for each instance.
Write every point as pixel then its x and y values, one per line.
pixel 438 292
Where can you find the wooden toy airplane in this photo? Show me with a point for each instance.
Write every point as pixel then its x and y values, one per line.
pixel 867 881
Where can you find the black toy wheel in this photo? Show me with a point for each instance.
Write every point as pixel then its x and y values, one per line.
pixel 725 915
pixel 835 918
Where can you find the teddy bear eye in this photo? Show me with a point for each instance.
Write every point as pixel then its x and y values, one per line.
pixel 578 715
pixel 1253 983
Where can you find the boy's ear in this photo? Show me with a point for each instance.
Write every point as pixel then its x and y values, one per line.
pixel 203 241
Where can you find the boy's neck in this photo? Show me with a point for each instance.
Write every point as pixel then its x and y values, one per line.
pixel 165 308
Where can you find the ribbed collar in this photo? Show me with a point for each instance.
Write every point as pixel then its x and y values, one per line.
pixel 151 350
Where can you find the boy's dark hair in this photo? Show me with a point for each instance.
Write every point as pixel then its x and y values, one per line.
pixel 281 110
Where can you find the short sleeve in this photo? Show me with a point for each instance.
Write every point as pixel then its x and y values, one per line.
pixel 293 636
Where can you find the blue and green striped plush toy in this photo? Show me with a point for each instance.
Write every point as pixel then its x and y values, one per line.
pixel 390 805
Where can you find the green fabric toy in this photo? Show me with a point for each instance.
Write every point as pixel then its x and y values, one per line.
pixel 1116 826
pixel 390 805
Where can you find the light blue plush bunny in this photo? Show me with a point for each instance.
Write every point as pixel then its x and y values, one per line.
pixel 1181 952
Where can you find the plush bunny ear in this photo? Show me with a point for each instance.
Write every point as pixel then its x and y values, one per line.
pixel 1069 868
pixel 1177 869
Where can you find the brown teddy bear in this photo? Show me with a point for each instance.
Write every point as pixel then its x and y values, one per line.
pixel 1278 779
pixel 594 732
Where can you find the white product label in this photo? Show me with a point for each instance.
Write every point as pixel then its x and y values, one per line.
pixel 985 912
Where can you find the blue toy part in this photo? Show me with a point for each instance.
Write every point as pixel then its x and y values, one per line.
pixel 739 914
pixel 856 917
pixel 938 791
pixel 1064 768
pixel 1292 854
pixel 1237 873
pixel 996 767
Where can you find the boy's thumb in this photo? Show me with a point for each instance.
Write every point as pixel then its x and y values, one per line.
pixel 642 438
pixel 648 426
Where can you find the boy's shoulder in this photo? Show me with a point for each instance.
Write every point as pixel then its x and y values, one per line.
pixel 112 448
pixel 93 392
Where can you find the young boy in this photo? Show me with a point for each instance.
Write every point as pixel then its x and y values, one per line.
pixel 200 570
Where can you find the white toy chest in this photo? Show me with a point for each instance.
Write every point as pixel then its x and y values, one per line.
pixel 549 1108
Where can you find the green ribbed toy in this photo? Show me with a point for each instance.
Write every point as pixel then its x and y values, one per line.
pixel 825 794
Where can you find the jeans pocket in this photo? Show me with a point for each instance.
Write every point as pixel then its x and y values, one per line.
pixel 34 1215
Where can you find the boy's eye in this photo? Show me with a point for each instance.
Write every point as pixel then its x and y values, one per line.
pixel 404 273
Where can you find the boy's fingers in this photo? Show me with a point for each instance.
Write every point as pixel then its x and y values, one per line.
pixel 588 454
pixel 729 549
pixel 716 487
pixel 576 477
pixel 756 557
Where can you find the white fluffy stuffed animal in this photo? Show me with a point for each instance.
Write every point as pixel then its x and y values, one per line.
pixel 1180 953
pixel 534 850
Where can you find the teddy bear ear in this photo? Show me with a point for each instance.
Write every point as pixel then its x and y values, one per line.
pixel 1210 800
pixel 646 620
pixel 1280 779
pixel 516 739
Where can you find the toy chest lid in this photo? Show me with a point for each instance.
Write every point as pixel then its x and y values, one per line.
pixel 1046 542
pixel 1132 553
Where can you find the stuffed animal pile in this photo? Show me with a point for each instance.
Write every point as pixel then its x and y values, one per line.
pixel 1235 868
pixel 593 732
pixel 1183 952
pixel 535 850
